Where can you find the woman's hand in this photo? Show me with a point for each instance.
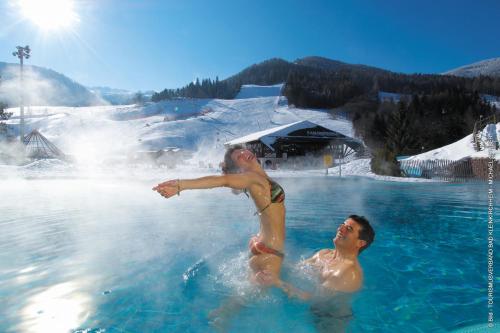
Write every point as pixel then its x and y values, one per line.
pixel 292 291
pixel 169 188
pixel 266 278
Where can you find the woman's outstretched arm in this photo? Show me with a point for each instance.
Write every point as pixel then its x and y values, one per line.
pixel 235 181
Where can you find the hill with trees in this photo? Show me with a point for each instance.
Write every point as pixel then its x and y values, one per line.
pixel 434 110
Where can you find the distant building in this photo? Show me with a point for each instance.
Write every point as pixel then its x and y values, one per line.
pixel 392 97
pixel 301 144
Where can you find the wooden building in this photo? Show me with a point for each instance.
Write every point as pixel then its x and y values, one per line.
pixel 301 144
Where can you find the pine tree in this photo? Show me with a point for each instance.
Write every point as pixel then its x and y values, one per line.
pixel 398 134
pixel 139 98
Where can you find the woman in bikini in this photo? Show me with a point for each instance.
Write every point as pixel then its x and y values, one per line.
pixel 242 171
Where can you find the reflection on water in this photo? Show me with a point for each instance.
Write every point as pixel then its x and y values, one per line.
pixel 81 254
pixel 58 308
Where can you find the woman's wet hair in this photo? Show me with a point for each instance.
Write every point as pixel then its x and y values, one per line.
pixel 229 165
pixel 366 232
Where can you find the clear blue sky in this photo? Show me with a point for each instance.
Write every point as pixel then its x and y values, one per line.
pixel 140 45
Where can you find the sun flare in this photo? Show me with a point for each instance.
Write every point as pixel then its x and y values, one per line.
pixel 49 15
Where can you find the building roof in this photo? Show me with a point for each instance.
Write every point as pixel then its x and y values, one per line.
pixel 269 136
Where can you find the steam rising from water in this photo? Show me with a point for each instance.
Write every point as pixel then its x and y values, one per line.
pixel 43 87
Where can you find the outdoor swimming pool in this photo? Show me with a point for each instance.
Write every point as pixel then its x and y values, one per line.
pixel 115 256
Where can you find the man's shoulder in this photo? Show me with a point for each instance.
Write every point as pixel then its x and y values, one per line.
pixel 348 279
pixel 346 269
pixel 350 266
pixel 324 251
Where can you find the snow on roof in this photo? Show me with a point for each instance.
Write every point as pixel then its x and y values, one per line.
pixel 388 96
pixel 269 136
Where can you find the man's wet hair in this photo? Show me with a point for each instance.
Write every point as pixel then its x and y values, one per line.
pixel 229 165
pixel 366 232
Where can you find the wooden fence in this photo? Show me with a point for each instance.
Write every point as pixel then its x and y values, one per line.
pixel 448 170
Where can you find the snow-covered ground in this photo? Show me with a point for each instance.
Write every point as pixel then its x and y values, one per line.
pixel 460 149
pixel 254 91
pixel 95 134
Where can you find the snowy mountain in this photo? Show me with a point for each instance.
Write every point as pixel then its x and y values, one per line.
pixel 489 67
pixel 43 87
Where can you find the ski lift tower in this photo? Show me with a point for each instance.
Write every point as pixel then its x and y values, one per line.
pixel 22 53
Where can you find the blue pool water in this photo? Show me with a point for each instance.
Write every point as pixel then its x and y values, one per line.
pixel 114 256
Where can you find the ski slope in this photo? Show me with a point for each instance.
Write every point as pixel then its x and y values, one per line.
pixel 255 91
pixel 199 125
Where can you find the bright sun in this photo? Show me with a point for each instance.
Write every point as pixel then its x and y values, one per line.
pixel 49 14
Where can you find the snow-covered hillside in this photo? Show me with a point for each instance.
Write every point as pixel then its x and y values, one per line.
pixel 489 67
pixel 460 149
pixel 109 133
pixel 203 125
pixel 253 91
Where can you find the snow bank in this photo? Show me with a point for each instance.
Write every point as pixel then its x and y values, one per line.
pixel 48 164
pixel 460 149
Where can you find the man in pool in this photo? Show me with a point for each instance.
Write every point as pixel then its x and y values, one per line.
pixel 338 269
pixel 339 273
